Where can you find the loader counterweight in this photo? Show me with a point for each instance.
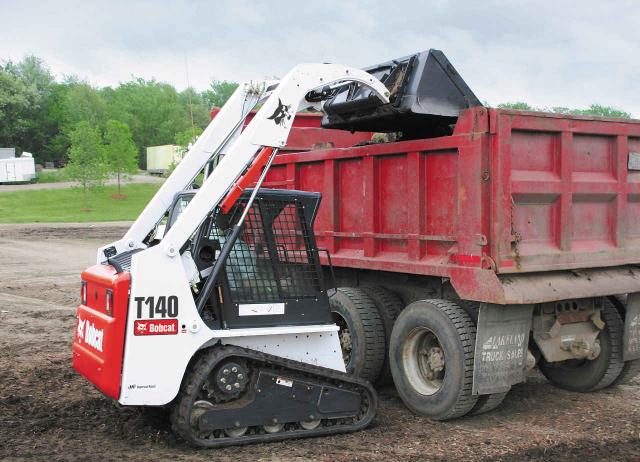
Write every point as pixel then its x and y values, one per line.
pixel 101 318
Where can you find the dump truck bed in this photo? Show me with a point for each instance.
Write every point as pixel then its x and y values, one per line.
pixel 509 192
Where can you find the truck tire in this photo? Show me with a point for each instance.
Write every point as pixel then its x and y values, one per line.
pixel 472 308
pixel 583 375
pixel 361 332
pixel 487 403
pixel 631 369
pixel 389 306
pixel 431 355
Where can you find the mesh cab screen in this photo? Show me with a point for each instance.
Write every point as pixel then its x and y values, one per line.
pixel 273 258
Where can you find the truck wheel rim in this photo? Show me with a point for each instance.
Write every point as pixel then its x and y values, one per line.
pixel 424 361
pixel 345 337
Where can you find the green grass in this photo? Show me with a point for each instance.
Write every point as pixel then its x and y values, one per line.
pixel 64 205
pixel 51 176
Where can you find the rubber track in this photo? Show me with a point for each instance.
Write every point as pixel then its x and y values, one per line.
pixel 181 408
pixel 467 333
pixel 373 330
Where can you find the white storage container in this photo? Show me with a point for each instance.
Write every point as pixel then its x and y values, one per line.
pixel 17 169
pixel 159 158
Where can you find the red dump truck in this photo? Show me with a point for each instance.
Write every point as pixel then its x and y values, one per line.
pixel 469 245
pixel 527 223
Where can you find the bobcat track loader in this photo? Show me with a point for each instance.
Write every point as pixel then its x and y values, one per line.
pixel 214 302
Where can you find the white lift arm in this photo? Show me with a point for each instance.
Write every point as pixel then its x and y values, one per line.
pixel 160 270
pixel 219 134
pixel 270 127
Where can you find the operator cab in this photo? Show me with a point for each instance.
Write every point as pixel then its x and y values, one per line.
pixel 272 275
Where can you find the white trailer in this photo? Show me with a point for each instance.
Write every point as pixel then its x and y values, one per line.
pixel 160 158
pixel 17 169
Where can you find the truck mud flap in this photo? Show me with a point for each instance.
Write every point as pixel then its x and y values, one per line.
pixel 502 342
pixel 631 338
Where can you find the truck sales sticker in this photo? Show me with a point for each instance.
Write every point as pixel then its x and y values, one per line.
pixel 155 327
pixel 502 341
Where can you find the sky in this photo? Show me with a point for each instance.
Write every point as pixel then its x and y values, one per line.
pixel 547 53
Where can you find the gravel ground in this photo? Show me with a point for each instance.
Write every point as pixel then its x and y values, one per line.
pixel 48 412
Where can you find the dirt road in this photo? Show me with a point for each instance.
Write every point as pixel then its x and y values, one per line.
pixel 48 412
pixel 69 184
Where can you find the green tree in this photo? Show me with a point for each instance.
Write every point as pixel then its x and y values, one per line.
pixel 68 103
pixel 593 110
pixel 602 111
pixel 520 106
pixel 56 145
pixel 35 76
pixel 219 92
pixel 83 103
pixel 195 104
pixel 86 160
pixel 120 153
pixel 17 101
pixel 153 111
pixel 186 137
pixel 33 72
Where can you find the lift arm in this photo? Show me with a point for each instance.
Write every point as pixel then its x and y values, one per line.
pixel 219 135
pixel 269 128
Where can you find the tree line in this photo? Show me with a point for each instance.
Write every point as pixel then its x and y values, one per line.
pixel 592 110
pixel 39 113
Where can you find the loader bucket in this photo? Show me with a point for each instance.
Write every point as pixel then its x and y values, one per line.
pixel 426 97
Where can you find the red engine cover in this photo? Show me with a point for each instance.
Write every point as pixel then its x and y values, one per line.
pixel 98 345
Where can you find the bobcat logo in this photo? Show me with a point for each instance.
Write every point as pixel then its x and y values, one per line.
pixel 80 328
pixel 141 327
pixel 281 113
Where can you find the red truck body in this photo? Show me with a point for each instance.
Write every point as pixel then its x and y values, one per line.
pixel 508 194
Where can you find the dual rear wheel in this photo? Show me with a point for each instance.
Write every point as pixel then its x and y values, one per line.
pixel 427 349
pixel 432 350
pixel 429 346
